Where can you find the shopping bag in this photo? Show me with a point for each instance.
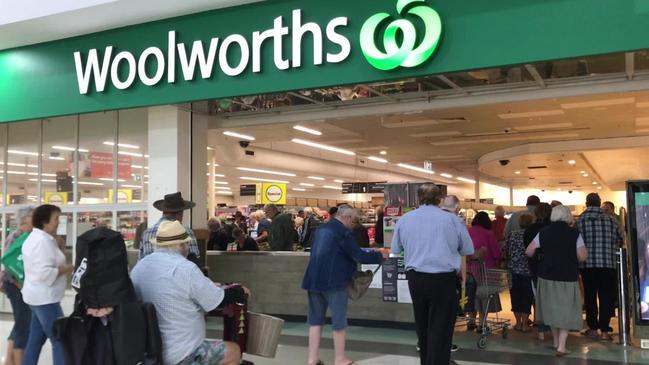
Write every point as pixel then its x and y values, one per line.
pixel 13 258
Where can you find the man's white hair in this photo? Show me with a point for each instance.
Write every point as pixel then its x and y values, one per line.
pixel 451 203
pixel 345 210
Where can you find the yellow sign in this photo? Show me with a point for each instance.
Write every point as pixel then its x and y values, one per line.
pixel 123 195
pixel 271 193
pixel 56 198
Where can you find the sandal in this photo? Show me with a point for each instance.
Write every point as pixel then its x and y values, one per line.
pixel 562 353
pixel 605 336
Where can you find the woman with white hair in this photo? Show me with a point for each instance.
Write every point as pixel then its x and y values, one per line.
pixel 558 300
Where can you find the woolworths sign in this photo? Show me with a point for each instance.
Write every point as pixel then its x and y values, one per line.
pixel 282 45
pixel 401 47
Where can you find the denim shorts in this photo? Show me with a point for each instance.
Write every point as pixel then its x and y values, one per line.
pixel 336 301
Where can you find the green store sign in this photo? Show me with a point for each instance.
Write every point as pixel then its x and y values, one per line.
pixel 282 45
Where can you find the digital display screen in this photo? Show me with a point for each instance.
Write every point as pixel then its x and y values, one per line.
pixel 641 223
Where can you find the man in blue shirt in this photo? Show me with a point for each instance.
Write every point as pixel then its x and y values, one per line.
pixel 433 243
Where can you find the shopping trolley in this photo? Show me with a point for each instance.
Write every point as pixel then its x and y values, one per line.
pixel 488 285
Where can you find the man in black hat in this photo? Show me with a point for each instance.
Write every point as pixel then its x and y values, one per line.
pixel 172 208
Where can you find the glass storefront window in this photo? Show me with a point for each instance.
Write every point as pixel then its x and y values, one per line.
pixel 96 144
pixel 59 143
pixel 22 162
pixel 133 171
pixel 132 224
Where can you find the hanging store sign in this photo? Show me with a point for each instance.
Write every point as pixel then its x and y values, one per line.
pixel 277 46
pixel 271 193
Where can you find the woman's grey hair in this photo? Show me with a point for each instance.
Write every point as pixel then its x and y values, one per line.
pixel 23 213
pixel 561 213
pixel 345 210
pixel 451 203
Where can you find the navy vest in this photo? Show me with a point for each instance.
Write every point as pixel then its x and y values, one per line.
pixel 559 245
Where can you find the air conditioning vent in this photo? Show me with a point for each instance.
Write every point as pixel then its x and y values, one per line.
pixel 537 167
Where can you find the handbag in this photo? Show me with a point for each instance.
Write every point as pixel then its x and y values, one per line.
pixel 360 283
pixel 13 258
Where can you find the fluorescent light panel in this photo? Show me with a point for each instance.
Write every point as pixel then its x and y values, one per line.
pixel 415 168
pixel 377 159
pixel 307 184
pixel 448 176
pixel 464 179
pixel 123 145
pixel 270 172
pixel 330 187
pixel 298 189
pixel 307 130
pixel 24 153
pixel 263 180
pixel 339 181
pixel 316 178
pixel 323 146
pixel 239 135
pixel 131 186
pixel 133 154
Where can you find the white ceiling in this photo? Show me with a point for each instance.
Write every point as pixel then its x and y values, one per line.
pixel 34 21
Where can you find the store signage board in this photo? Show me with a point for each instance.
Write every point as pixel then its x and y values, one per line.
pixel 271 193
pixel 363 188
pixel 270 47
pixel 248 190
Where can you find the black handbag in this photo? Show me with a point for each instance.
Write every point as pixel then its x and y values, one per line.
pixel 360 283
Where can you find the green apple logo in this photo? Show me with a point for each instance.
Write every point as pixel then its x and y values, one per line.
pixel 405 55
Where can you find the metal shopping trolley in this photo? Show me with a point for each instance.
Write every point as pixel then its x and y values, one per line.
pixel 487 285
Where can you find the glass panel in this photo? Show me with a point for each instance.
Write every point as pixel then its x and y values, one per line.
pixel 22 165
pixel 132 225
pixel 96 143
pixel 133 172
pixel 89 220
pixel 59 143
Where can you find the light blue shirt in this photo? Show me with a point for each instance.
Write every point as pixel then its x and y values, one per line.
pixel 181 295
pixel 433 240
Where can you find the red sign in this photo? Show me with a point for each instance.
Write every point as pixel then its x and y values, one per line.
pixel 101 166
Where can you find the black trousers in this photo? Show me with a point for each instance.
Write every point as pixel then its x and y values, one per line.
pixel 599 284
pixel 434 299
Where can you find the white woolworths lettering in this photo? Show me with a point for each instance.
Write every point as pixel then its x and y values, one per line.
pixel 97 71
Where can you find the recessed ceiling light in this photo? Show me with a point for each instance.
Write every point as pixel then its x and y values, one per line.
pixel 572 162
pixel 316 178
pixel 599 188
pixel 298 189
pixel 223 192
pixel 464 179
pixel 540 113
pixel 383 153
pixel 332 187
pixel 266 171
pixel 594 182
pixel 17 152
pixel 377 159
pixel 448 176
pixel 517 172
pixel 222 188
pixel 415 168
pixel 264 180
pixel 585 175
pixel 239 135
pixel 339 181
pixel 323 146
pixel 307 184
pixel 307 130
pixel 598 103
pixel 582 172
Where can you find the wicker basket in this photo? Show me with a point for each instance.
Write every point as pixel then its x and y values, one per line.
pixel 263 334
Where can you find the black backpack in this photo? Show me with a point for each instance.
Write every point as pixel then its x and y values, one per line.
pixel 101 269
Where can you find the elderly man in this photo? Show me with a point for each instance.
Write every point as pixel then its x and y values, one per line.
pixel 282 230
pixel 433 242
pixel 172 208
pixel 182 295
pixel 498 224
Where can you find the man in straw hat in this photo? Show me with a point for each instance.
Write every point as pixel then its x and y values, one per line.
pixel 172 208
pixel 182 295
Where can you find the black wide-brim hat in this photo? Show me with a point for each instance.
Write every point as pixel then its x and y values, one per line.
pixel 173 203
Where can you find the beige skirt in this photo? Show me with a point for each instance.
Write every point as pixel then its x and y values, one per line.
pixel 558 304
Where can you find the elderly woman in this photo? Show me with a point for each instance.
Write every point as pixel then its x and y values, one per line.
pixel 218 240
pixel 11 285
pixel 45 282
pixel 519 267
pixel 558 301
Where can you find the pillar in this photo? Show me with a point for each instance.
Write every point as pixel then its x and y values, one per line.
pixel 199 181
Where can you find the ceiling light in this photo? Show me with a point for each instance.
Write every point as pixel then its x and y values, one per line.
pixel 415 168
pixel 448 176
pixel 585 175
pixel 66 148
pixel 131 186
pixel 90 183
pixel 266 171
pixel 123 145
pixel 222 188
pixel 323 147
pixel 25 153
pixel 594 182
pixel 307 130
pixel 383 153
pixel 221 183
pixel 582 172
pixel 140 167
pixel 109 179
pixel 332 187
pixel 298 189
pixel 572 162
pixel 377 159
pixel 43 180
pixel 316 178
pixel 238 135
pixel 533 127
pixel 307 184
pixel 599 188
pixel 48 175
pixel 541 113
pixel 210 148
pixel 17 172
pixel 57 158
pixel 464 179
pixel 133 154
pixel 224 193
pixel 598 103
pixel 517 172
pixel 264 180
pixel 339 181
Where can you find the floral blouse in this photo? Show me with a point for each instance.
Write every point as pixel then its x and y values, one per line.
pixel 518 261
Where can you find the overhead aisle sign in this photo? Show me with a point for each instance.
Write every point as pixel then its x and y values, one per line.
pixel 276 46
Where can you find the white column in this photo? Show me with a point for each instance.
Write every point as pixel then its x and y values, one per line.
pixel 169 156
pixel 199 170
pixel 477 186
pixel 511 195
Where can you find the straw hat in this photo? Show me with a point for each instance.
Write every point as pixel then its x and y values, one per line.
pixel 170 233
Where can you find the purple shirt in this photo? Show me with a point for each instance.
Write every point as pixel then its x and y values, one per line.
pixel 482 237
